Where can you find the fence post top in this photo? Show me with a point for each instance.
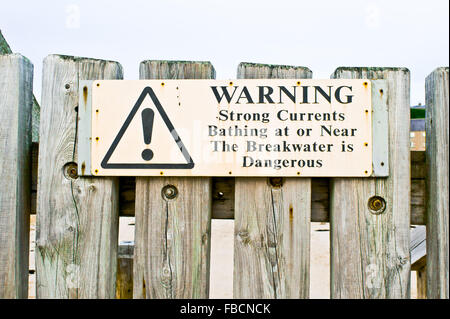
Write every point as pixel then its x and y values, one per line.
pixel 77 58
pixel 441 69
pixel 371 68
pixel 17 56
pixel 280 66
pixel 175 62
pixel 360 70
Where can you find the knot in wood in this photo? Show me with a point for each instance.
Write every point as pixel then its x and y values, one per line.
pixel 402 261
pixel 271 244
pixel 205 238
pixel 166 277
pixel 244 237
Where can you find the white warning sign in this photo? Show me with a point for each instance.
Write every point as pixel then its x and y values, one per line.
pixel 231 128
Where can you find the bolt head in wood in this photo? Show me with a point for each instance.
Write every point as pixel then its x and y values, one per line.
pixel 71 170
pixel 276 181
pixel 377 205
pixel 169 192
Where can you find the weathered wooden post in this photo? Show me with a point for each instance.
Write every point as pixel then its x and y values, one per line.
pixel 272 221
pixel 16 98
pixel 173 216
pixel 437 128
pixel 5 49
pixel 77 217
pixel 370 217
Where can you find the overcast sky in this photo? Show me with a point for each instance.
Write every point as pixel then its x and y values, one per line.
pixel 319 34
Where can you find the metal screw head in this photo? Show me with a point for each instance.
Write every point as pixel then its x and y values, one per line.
pixel 377 205
pixel 276 181
pixel 169 192
pixel 71 170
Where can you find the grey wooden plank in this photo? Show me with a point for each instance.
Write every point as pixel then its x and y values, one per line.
pixel 370 249
pixel 272 223
pixel 16 94
pixel 77 217
pixel 173 236
pixel 437 127
pixel 6 49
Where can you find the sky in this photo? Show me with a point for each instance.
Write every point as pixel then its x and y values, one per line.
pixel 321 34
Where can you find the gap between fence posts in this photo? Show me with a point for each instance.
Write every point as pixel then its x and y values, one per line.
pixel 77 217
pixel 172 235
pixel 370 249
pixel 124 281
pixel 437 136
pixel 272 221
pixel 16 99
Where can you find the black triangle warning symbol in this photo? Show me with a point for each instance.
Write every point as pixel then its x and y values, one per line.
pixel 189 162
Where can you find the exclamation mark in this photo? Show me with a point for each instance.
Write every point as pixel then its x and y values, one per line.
pixel 147 126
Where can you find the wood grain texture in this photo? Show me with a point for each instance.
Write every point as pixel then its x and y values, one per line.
pixel 272 224
pixel 248 70
pixel 369 252
pixel 437 131
pixel 77 218
pixel 124 281
pixel 173 236
pixel 16 98
pixel 6 49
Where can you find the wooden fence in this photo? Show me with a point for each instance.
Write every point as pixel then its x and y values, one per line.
pixel 78 217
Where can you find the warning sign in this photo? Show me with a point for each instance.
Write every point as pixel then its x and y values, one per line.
pixel 231 128
pixel 147 115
